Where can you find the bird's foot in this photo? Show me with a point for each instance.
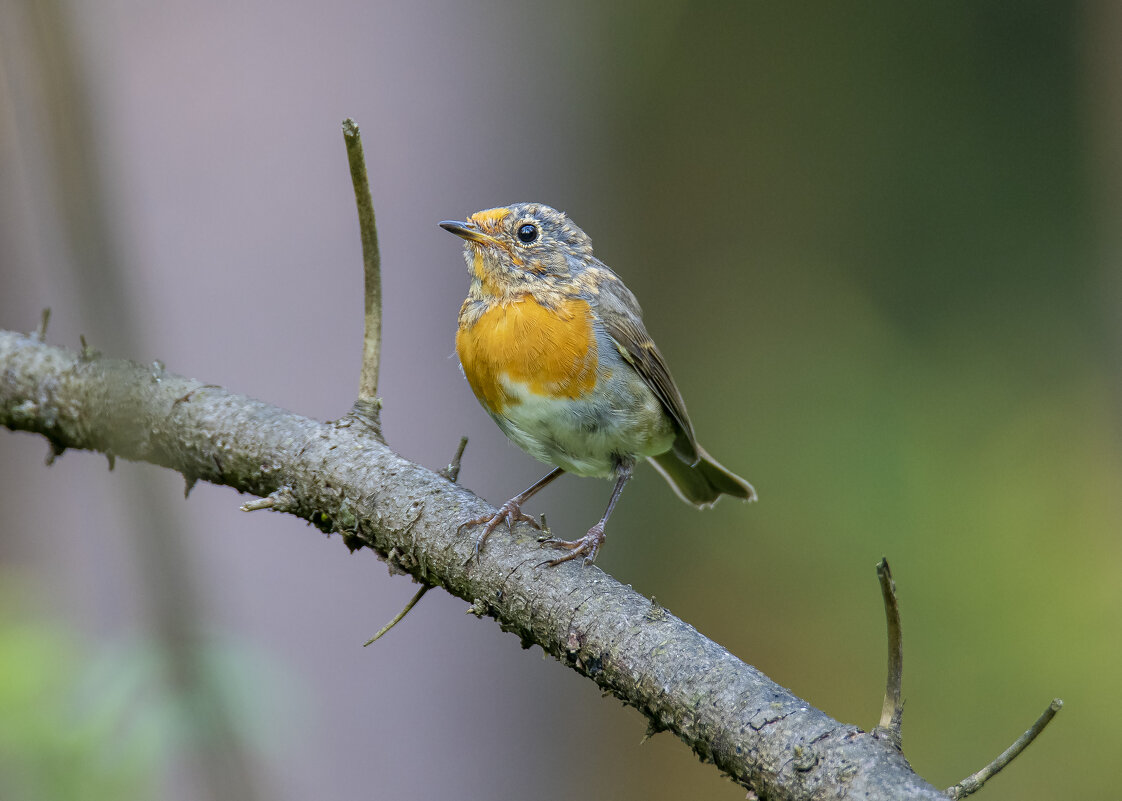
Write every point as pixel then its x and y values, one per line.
pixel 511 512
pixel 587 546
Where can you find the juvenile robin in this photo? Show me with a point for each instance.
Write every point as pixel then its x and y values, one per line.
pixel 553 346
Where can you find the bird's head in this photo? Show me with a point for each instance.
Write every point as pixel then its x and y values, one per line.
pixel 513 248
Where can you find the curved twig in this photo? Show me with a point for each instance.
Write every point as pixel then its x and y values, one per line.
pixel 367 404
pixel 892 710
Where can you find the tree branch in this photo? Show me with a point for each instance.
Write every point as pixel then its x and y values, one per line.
pixel 343 479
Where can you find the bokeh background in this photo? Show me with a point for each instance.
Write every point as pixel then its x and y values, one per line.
pixel 879 244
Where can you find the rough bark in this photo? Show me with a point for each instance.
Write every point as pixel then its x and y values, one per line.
pixel 342 479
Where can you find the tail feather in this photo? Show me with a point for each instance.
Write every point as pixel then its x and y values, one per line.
pixel 703 483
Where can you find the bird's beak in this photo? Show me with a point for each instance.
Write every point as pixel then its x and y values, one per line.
pixel 468 231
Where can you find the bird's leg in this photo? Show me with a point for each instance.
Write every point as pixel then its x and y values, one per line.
pixel 590 543
pixel 511 511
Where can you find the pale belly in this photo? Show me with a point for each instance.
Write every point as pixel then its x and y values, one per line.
pixel 591 435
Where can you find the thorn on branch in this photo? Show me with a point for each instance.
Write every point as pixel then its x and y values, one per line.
pixel 87 354
pixel 189 483
pixel 892 710
pixel 57 450
pixel 371 263
pixel 974 782
pixel 112 459
pixel 44 319
pixel 279 501
pixel 452 471
pixel 400 615
pixel 653 728
pixel 251 506
pixel 394 562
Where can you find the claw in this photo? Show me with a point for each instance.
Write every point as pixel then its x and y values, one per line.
pixel 511 512
pixel 587 546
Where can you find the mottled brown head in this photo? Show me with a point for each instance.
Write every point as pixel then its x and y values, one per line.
pixel 507 248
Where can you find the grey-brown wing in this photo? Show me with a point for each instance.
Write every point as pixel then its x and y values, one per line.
pixel 621 317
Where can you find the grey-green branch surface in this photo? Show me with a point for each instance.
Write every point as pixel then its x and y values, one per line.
pixel 341 478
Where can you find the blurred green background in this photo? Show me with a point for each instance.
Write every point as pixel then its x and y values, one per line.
pixel 880 245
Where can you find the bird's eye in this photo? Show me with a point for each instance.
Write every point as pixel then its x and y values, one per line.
pixel 527 233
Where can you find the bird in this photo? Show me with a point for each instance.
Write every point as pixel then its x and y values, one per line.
pixel 554 348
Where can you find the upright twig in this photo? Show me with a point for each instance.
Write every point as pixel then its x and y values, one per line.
pixel 367 405
pixel 44 320
pixel 974 782
pixel 892 710
pixel 452 471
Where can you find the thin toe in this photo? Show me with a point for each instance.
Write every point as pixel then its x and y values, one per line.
pixel 587 546
pixel 510 512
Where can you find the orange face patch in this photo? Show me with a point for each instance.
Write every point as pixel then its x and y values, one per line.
pixel 490 219
pixel 550 352
pixel 489 222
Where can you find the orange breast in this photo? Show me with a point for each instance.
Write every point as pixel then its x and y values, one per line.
pixel 547 351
